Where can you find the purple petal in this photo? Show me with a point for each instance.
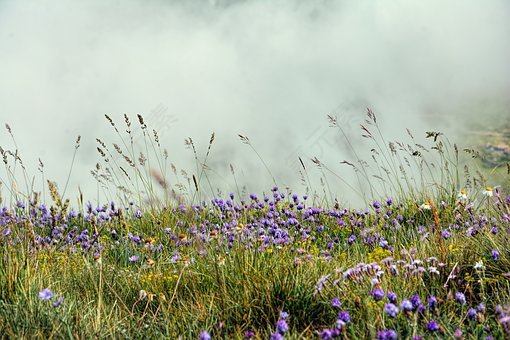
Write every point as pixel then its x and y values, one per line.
pixel 46 294
pixel 58 302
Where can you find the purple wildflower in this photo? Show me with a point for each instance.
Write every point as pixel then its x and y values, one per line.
pixel 499 311
pixel 249 334
pixel 335 302
pixel 481 308
pixel 327 333
pixel 432 303
pixel 134 258
pixel 6 232
pixel 495 254
pixel 445 233
pixel 406 306
pixel 416 301
pixel 392 297
pixel 377 294
pixel 137 239
pixel 391 310
pixel 276 336
pixel 387 335
pixel 432 326
pixel 344 316
pixel 471 314
pixel 205 336
pixel 46 294
pixel 460 298
pixel 505 321
pixel 284 315
pixel 339 324
pixel 58 302
pixel 282 327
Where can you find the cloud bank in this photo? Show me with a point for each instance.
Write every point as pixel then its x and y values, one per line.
pixel 270 70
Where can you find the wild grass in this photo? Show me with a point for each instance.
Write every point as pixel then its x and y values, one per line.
pixel 165 258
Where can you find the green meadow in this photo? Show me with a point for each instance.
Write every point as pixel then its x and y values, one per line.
pixel 426 256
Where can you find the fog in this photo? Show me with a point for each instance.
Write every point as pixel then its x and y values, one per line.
pixel 269 70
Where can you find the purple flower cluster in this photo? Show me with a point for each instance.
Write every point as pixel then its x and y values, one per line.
pixel 377 294
pixel 387 335
pixel 432 303
pixel 341 323
pixel 205 336
pixel 335 302
pixel 460 298
pixel 392 297
pixel 391 310
pixel 281 326
pixel 432 326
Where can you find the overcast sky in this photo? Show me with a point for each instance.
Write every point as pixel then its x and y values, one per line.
pixel 270 70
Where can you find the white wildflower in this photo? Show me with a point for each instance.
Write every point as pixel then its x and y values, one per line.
pixel 425 206
pixel 462 195
pixel 433 270
pixel 479 265
pixel 488 192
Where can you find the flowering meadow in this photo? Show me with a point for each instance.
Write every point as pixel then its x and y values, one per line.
pixel 423 260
